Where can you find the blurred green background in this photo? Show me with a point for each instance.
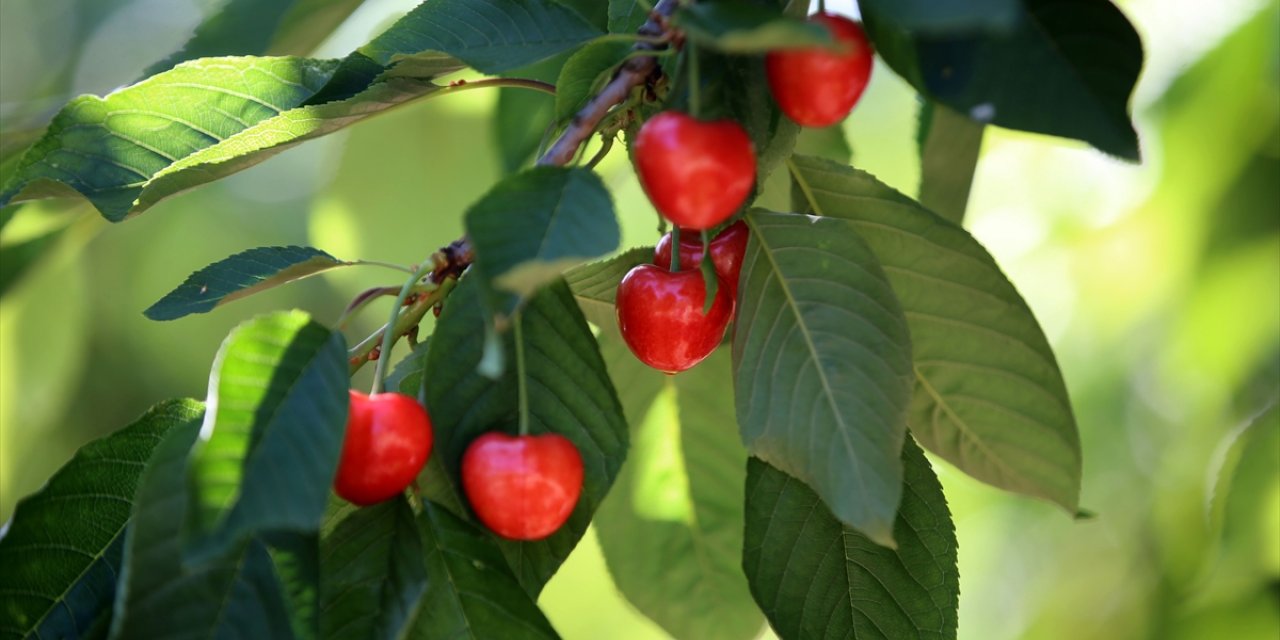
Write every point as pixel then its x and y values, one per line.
pixel 1158 284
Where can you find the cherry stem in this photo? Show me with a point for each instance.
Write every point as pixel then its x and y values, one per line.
pixel 516 83
pixel 675 248
pixel 376 263
pixel 389 334
pixel 822 6
pixel 521 384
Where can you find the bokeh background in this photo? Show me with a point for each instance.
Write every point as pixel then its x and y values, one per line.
pixel 1158 284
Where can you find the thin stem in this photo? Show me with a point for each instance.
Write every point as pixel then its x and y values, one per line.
pixel 675 248
pixel 695 82
pixel 389 334
pixel 822 6
pixel 376 263
pixel 522 385
pixel 605 146
pixel 516 83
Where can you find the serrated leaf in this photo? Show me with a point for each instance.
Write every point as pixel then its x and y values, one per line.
pixel 569 393
pixel 585 72
pixel 160 596
pixel 60 565
pixel 989 397
pixel 239 276
pixel 490 35
pixel 745 28
pixel 1065 69
pixel 278 391
pixel 949 145
pixel 595 285
pixel 532 226
pixel 372 573
pixel 815 578
pixel 931 16
pixel 679 498
pixel 822 365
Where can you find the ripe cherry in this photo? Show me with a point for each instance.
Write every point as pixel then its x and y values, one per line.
pixel 522 487
pixel 727 250
pixel 387 442
pixel 696 173
pixel 816 87
pixel 661 319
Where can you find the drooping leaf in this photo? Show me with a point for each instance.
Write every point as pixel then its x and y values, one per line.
pixel 490 35
pixel 1065 69
pixel 595 285
pixel 989 397
pixel 471 593
pixel 584 73
pixel 159 595
pixel 671 529
pixel 815 304
pixel 932 17
pixel 534 225
pixel 240 276
pixel 278 391
pixel 372 573
pixel 949 146
pixel 569 393
pixel 746 28
pixel 60 563
pixel 815 578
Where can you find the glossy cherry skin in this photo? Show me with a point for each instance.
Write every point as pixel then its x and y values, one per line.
pixel 727 250
pixel 522 487
pixel 387 442
pixel 661 320
pixel 696 173
pixel 816 87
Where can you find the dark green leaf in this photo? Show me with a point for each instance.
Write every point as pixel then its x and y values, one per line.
pixel 671 529
pixel 822 365
pixel 535 224
pixel 522 116
pixel 817 579
pixel 626 16
pixel 595 285
pixel 988 394
pixel 61 553
pixel 278 391
pixel 584 73
pixel 738 88
pixel 741 27
pixel 160 596
pixel 569 393
pixel 471 593
pixel 1065 69
pixel 295 557
pixel 372 573
pixel 491 35
pixel 949 146
pixel 239 276
pixel 933 17
pixel 17 258
pixel 594 11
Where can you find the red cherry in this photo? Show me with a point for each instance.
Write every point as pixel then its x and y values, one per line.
pixel 522 487
pixel 387 442
pixel 727 250
pixel 696 173
pixel 816 87
pixel 660 316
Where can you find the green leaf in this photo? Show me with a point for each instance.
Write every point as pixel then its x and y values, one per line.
pixel 160 596
pixel 745 28
pixel 933 17
pixel 738 88
pixel 815 578
pixel 61 553
pixel 949 146
pixel 626 16
pixel 278 391
pixel 471 592
pixel 989 397
pixel 671 529
pixel 822 365
pixel 295 558
pixel 240 276
pixel 372 573
pixel 637 384
pixel 584 73
pixel 522 116
pixel 490 35
pixel 595 285
pixel 569 393
pixel 534 225
pixel 1065 69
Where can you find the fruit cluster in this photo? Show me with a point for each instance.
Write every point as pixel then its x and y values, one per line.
pixel 698 174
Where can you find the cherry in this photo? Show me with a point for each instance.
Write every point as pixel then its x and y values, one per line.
pixel 727 250
pixel 522 487
pixel 661 319
pixel 387 442
pixel 816 87
pixel 696 173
